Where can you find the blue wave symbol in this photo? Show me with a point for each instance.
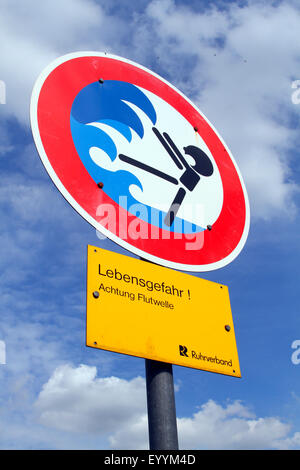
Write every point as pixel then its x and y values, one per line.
pixel 104 103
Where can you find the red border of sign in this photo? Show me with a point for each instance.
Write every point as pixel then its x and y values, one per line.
pixel 52 100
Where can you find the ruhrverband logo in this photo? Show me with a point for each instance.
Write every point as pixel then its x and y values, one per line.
pixel 183 351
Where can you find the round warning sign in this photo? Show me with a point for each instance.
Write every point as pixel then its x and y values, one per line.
pixel 139 161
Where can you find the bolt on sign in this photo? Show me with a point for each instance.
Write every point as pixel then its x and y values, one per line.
pixel 139 161
pixel 149 311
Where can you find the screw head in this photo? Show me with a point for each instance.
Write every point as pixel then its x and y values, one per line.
pixel 96 294
pixel 100 185
pixel 227 327
pixel 209 227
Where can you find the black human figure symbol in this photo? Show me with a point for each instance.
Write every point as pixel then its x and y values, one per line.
pixel 189 178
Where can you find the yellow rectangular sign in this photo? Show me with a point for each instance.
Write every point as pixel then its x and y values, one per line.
pixel 138 308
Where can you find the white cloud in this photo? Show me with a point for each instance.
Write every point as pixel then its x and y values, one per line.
pixel 32 34
pixel 75 400
pixel 231 427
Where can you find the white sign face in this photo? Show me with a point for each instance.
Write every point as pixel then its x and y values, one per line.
pixel 139 161
pixel 160 183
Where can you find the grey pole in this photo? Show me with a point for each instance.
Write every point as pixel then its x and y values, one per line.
pixel 161 406
pixel 162 423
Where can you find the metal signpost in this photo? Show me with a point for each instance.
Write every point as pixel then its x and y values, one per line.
pixel 141 163
pixel 161 407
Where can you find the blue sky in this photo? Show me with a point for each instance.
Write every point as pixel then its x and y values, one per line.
pixel 237 61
